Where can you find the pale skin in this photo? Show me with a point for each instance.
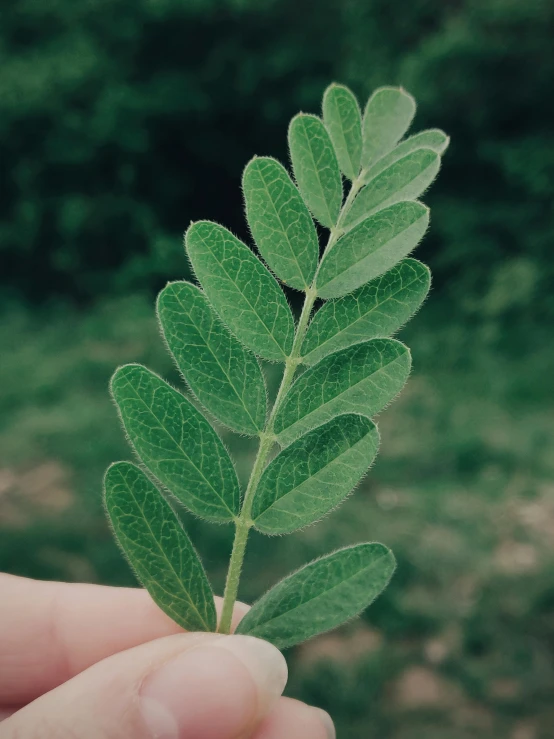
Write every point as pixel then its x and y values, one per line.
pixel 94 662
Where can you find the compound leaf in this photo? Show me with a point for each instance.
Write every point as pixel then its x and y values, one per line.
pixel 342 117
pixel 241 289
pixel 361 379
pixel 321 595
pixel 176 443
pixel 158 548
pixel 379 308
pixel 223 375
pixel 371 248
pixel 387 117
pixel 315 167
pixel 432 138
pixel 314 474
pixel 280 222
pixel 406 179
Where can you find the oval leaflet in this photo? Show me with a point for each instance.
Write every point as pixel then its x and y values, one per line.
pixel 176 443
pixel 145 523
pixel 280 222
pixel 223 375
pixel 320 596
pixel 314 474
pixel 379 308
pixel 361 379
pixel 241 289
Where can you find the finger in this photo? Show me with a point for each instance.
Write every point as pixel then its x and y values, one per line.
pixel 50 632
pixel 187 685
pixel 291 719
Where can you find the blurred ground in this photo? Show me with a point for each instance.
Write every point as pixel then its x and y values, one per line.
pixel 463 491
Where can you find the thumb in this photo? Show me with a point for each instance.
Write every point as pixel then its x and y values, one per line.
pixel 188 685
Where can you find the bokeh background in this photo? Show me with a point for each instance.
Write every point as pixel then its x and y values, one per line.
pixel 122 120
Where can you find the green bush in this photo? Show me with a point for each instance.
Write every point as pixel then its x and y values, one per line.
pixel 120 121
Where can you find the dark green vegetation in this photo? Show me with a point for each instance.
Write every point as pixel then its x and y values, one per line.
pixel 122 121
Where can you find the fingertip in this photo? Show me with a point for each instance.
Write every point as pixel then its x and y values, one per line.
pixel 327 722
pixel 265 664
pixel 239 612
pixel 219 689
pixel 295 720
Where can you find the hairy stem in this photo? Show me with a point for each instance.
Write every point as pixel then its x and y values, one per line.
pixel 233 576
pixel 267 437
pixel 244 523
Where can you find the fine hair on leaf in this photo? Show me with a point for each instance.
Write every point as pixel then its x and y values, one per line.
pixel 339 228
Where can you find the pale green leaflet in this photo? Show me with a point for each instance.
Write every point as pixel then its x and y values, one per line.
pixel 280 222
pixel 361 180
pixel 315 474
pixel 361 379
pixel 316 168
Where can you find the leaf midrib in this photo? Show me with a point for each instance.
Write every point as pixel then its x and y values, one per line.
pixel 171 567
pixel 178 444
pixel 342 132
pixel 372 175
pixel 370 254
pixel 315 169
pixel 222 368
pixel 284 230
pixel 376 207
pixel 350 387
pixel 326 592
pixel 254 310
pixel 315 475
pixel 362 317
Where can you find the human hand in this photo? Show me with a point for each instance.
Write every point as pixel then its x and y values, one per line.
pixel 95 662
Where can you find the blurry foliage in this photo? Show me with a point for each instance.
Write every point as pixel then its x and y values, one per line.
pixel 120 121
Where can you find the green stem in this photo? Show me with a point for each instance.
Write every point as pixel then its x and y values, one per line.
pixel 294 360
pixel 233 576
pixel 355 188
pixel 267 437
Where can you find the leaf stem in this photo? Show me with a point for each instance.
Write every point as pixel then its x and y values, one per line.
pixel 267 437
pixel 354 189
pixel 233 576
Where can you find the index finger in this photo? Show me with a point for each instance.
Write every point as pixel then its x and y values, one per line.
pixel 51 631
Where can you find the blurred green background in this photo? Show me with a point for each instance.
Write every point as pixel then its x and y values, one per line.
pixel 122 120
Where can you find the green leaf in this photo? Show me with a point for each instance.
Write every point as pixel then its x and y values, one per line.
pixel 387 117
pixel 361 379
pixel 158 548
pixel 241 289
pixel 321 595
pixel 406 179
pixel 280 222
pixel 371 248
pixel 315 167
pixel 342 117
pixel 379 308
pixel 314 474
pixel 223 375
pixel 176 443
pixel 433 138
